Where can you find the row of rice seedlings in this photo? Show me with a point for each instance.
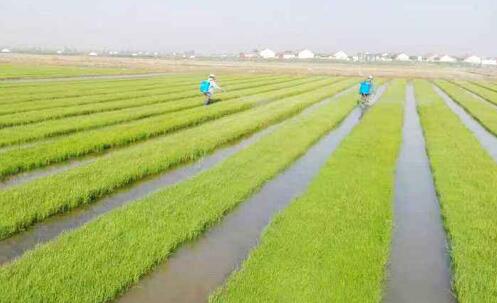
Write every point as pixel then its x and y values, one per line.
pixel 465 177
pixel 65 89
pixel 121 103
pixel 23 205
pixel 332 243
pixel 485 84
pixel 485 93
pixel 482 111
pixel 30 132
pixel 70 96
pixel 122 93
pixel 26 92
pixel 121 246
pixel 94 141
pixel 163 89
pixel 57 88
pixel 88 97
pixel 15 71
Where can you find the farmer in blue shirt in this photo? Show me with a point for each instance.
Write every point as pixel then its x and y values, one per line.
pixel 366 88
pixel 208 87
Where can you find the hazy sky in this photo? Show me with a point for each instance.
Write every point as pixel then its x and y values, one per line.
pixel 414 26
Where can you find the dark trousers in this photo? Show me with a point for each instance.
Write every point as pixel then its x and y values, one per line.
pixel 208 98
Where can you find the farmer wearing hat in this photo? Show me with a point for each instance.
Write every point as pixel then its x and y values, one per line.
pixel 208 87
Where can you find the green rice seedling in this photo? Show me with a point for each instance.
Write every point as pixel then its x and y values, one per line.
pixel 332 243
pixel 482 111
pixel 19 103
pixel 23 205
pixel 25 92
pixel 485 93
pixel 113 94
pixel 117 93
pixel 94 141
pixel 98 261
pixel 67 89
pixel 16 71
pixel 54 90
pixel 153 98
pixel 485 84
pixel 29 132
pixel 466 180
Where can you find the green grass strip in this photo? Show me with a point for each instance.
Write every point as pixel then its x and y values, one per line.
pixel 487 94
pixel 96 262
pixel 94 141
pixel 466 181
pixel 332 243
pixel 482 111
pixel 51 128
pixel 124 102
pixel 23 205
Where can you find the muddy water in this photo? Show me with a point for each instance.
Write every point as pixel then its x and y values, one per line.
pixel 487 139
pixel 198 267
pixel 419 269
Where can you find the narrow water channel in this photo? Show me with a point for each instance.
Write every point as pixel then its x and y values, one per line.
pixel 487 139
pixel 419 269
pixel 198 267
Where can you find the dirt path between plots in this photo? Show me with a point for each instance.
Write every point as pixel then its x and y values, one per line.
pixel 419 268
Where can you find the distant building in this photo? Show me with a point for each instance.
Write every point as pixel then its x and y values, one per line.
pixel 305 54
pixel 286 55
pixel 447 59
pixel 59 52
pixel 267 54
pixel 370 57
pixel 489 61
pixel 419 58
pixel 249 55
pixel 432 58
pixel 386 57
pixel 472 60
pixel 402 57
pixel 5 50
pixel 93 54
pixel 340 55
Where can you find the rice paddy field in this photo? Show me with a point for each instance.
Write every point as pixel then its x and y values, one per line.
pixel 283 189
pixel 43 71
